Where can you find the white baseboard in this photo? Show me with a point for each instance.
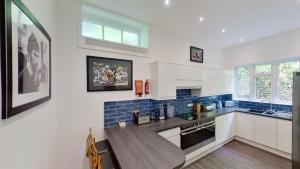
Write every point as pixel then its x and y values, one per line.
pixel 196 155
pixel 266 148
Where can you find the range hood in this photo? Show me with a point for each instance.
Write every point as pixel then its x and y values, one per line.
pixel 194 85
pixel 188 84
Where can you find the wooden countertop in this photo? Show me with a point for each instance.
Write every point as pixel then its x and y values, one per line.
pixel 139 147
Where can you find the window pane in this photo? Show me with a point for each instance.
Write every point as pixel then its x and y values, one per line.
pixel 263 68
pixel 130 39
pixel 113 35
pixel 263 87
pixel 286 80
pixel 91 30
pixel 243 82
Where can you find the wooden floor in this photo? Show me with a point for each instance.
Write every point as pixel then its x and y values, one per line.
pixel 238 155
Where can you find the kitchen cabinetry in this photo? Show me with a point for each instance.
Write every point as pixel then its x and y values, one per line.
pixel 284 136
pixel 163 81
pixel 167 77
pixel 217 82
pixel 172 135
pixel 225 127
pixel 265 131
pixel 245 126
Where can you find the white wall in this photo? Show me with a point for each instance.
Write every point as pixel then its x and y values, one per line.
pixel 277 47
pixel 79 110
pixel 30 140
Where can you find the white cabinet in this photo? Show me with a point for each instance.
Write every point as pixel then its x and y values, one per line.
pixel 265 131
pixel 163 81
pixel 284 136
pixel 217 82
pixel 245 126
pixel 225 127
pixel 172 135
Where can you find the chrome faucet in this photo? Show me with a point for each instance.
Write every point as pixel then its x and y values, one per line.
pixel 270 102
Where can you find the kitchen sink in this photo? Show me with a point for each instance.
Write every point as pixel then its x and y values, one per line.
pixel 269 112
pixel 256 111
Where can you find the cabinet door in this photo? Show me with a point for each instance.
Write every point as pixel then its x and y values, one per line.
pixel 175 140
pixel 245 126
pixel 265 131
pixel 166 81
pixel 217 82
pixel 284 136
pixel 225 127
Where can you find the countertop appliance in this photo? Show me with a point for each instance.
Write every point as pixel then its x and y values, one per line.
pixel 141 119
pixel 296 121
pixel 199 133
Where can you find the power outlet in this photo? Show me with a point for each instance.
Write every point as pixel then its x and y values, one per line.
pixel 190 105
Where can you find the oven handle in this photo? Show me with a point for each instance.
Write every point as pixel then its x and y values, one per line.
pixel 198 129
pixel 198 126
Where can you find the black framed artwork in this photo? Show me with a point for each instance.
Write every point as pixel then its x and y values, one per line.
pixel 25 59
pixel 108 74
pixel 196 54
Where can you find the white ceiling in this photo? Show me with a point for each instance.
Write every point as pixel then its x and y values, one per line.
pixel 250 19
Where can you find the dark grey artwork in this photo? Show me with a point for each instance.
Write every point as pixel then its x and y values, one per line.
pixel 196 54
pixel 32 69
pixel 105 74
pixel 25 59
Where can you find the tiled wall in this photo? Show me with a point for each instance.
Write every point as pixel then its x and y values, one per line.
pixel 117 111
pixel 263 106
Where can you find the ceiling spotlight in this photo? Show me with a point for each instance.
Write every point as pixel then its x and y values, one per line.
pixel 242 40
pixel 223 30
pixel 167 2
pixel 201 19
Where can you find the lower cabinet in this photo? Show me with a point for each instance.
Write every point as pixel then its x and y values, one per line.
pixel 225 127
pixel 284 136
pixel 172 135
pixel 265 131
pixel 245 126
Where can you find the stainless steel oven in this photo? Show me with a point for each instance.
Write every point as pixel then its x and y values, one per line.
pixel 197 135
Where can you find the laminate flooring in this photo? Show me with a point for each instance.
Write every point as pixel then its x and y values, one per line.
pixel 238 155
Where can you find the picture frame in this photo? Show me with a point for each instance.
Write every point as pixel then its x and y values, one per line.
pixel 25 59
pixel 196 54
pixel 109 74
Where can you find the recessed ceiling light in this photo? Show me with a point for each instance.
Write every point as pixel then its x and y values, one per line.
pixel 242 40
pixel 201 19
pixel 223 30
pixel 167 2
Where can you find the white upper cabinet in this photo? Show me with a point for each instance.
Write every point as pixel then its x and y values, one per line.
pixel 245 126
pixel 167 77
pixel 217 82
pixel 265 131
pixel 284 136
pixel 163 81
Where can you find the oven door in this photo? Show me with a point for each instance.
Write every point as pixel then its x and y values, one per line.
pixel 196 137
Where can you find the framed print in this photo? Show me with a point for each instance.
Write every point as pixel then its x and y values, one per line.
pixel 25 59
pixel 107 74
pixel 196 54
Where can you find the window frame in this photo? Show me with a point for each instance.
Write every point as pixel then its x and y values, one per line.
pixel 144 35
pixel 274 74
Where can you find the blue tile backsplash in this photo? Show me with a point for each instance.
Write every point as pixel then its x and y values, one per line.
pixel 117 111
pixel 263 106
